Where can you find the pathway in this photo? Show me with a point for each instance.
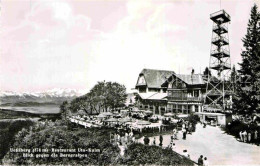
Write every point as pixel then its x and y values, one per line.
pixel 218 147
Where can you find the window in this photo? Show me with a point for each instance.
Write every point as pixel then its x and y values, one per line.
pixel 142 90
pixel 196 108
pixel 141 80
pixel 169 85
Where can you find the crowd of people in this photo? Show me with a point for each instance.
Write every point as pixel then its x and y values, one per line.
pixel 248 136
pixel 187 128
pixel 123 138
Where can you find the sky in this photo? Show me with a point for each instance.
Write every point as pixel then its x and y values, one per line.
pixel 48 44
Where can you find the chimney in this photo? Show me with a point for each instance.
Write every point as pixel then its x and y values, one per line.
pixel 192 72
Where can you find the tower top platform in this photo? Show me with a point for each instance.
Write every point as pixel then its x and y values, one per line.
pixel 220 17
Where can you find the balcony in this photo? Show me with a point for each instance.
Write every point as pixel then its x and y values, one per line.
pixel 194 98
pixel 198 99
pixel 220 29
pixel 222 53
pixel 220 41
pixel 220 17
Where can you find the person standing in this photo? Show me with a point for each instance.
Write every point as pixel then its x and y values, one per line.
pixel 115 137
pixel 183 126
pixel 161 140
pixel 146 140
pixel 170 145
pixel 255 136
pixel 176 134
pixel 173 133
pixel 241 136
pixel 184 134
pixel 245 136
pixel 154 141
pixel 205 162
pixel 200 160
pixel 118 138
pixel 190 128
pixel 249 136
pixel 133 139
pixel 126 136
pixel 204 124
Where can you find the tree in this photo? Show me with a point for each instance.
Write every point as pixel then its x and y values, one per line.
pixel 64 109
pixel 235 78
pixel 249 55
pixel 103 96
pixel 249 68
pixel 206 73
pixel 107 95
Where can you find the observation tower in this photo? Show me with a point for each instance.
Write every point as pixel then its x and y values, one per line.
pixel 219 86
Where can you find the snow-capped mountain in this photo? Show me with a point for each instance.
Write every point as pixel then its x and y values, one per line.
pixel 56 96
pixel 57 92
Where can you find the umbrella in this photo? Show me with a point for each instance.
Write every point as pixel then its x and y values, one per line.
pixel 175 121
pixel 101 116
pixel 182 116
pixel 111 120
pixel 148 112
pixel 142 122
pixel 108 113
pixel 128 123
pixel 81 112
pixel 169 114
pixel 126 119
pixel 136 110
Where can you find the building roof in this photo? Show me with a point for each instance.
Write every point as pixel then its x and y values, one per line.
pixel 155 78
pixel 195 79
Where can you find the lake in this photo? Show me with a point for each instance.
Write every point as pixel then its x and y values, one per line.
pixel 44 109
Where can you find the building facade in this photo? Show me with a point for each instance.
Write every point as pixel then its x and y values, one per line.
pixel 164 91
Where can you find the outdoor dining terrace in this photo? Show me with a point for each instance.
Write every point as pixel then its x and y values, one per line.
pixel 129 121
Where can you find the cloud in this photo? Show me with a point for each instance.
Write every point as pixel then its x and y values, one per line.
pixel 74 44
pixel 51 46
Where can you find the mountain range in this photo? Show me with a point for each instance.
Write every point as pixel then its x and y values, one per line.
pixel 53 96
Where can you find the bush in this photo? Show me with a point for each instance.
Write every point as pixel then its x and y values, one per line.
pixel 49 135
pixel 139 154
pixel 8 130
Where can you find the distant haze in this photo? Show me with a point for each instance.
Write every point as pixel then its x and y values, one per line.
pixel 74 44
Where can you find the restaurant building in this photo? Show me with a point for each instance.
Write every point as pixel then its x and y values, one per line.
pixel 164 91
